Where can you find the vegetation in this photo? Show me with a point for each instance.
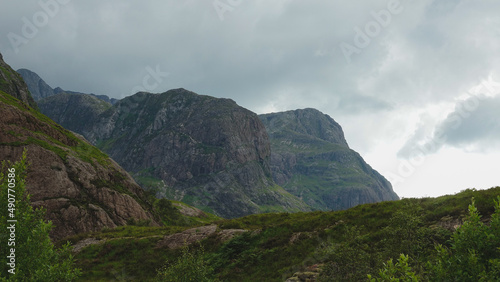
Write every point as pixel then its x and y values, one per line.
pixel 27 251
pixel 406 240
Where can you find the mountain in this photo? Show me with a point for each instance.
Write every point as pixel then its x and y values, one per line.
pixel 11 82
pixel 205 151
pixel 312 160
pixel 81 188
pixel 39 89
pixel 73 111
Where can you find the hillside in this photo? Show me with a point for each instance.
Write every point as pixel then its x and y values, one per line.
pixel 311 159
pixel 201 150
pixel 82 188
pixel 341 245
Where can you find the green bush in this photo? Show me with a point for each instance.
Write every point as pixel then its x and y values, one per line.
pixel 36 259
pixel 190 266
pixel 474 253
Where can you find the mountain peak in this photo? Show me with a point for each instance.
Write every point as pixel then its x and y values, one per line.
pixel 306 121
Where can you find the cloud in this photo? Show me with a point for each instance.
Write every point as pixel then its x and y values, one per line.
pixel 391 96
pixel 472 126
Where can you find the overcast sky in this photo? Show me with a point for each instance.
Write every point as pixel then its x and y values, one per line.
pixel 414 84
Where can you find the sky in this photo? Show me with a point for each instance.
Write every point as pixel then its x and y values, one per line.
pixel 415 85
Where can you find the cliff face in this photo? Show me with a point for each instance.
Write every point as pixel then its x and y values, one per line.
pixel 37 86
pixel 81 188
pixel 13 84
pixel 311 159
pixel 201 150
pixel 73 111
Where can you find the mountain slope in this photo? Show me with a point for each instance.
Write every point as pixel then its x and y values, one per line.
pixel 39 89
pixel 73 111
pixel 207 152
pixel 12 83
pixel 311 159
pixel 82 189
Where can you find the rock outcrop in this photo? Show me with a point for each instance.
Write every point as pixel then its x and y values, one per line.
pixel 12 83
pixel 207 152
pixel 82 189
pixel 312 160
pixel 39 89
pixel 73 111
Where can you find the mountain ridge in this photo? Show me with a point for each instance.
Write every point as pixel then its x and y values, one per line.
pixel 81 188
pixel 312 160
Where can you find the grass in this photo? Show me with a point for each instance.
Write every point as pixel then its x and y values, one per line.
pixel 266 252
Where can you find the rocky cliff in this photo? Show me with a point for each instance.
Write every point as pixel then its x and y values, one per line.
pixel 82 189
pixel 11 82
pixel 38 88
pixel 311 159
pixel 73 111
pixel 201 150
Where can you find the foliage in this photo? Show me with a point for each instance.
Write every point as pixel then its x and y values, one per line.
pixel 36 258
pixel 400 271
pixel 349 260
pixel 475 250
pixel 280 244
pixel 190 266
pixel 168 213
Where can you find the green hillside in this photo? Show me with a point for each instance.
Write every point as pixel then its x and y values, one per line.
pixel 346 245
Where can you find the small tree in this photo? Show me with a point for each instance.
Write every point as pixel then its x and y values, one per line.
pixel 27 240
pixel 475 250
pixel 190 266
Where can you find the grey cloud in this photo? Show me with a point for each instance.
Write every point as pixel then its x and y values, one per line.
pixel 474 125
pixel 430 52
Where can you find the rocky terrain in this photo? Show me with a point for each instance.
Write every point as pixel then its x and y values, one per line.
pixel 217 156
pixel 207 152
pixel 39 89
pixel 312 160
pixel 82 189
pixel 11 82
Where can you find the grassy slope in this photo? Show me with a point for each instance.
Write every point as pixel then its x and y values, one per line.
pixel 267 254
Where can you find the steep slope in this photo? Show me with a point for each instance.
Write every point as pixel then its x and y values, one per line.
pixel 12 83
pixel 207 152
pixel 311 159
pixel 81 188
pixel 74 111
pixel 39 89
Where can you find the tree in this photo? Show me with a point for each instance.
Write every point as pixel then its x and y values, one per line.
pixel 190 266
pixel 27 253
pixel 475 250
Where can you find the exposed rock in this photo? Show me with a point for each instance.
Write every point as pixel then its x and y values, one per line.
pixel 81 188
pixel 197 234
pixel 38 88
pixel 311 274
pixel 311 160
pixel 187 237
pixel 74 111
pixel 228 234
pixel 207 152
pixel 189 211
pixel 84 243
pixel 13 84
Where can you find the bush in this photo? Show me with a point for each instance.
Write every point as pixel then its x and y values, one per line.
pixel 190 266
pixel 36 259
